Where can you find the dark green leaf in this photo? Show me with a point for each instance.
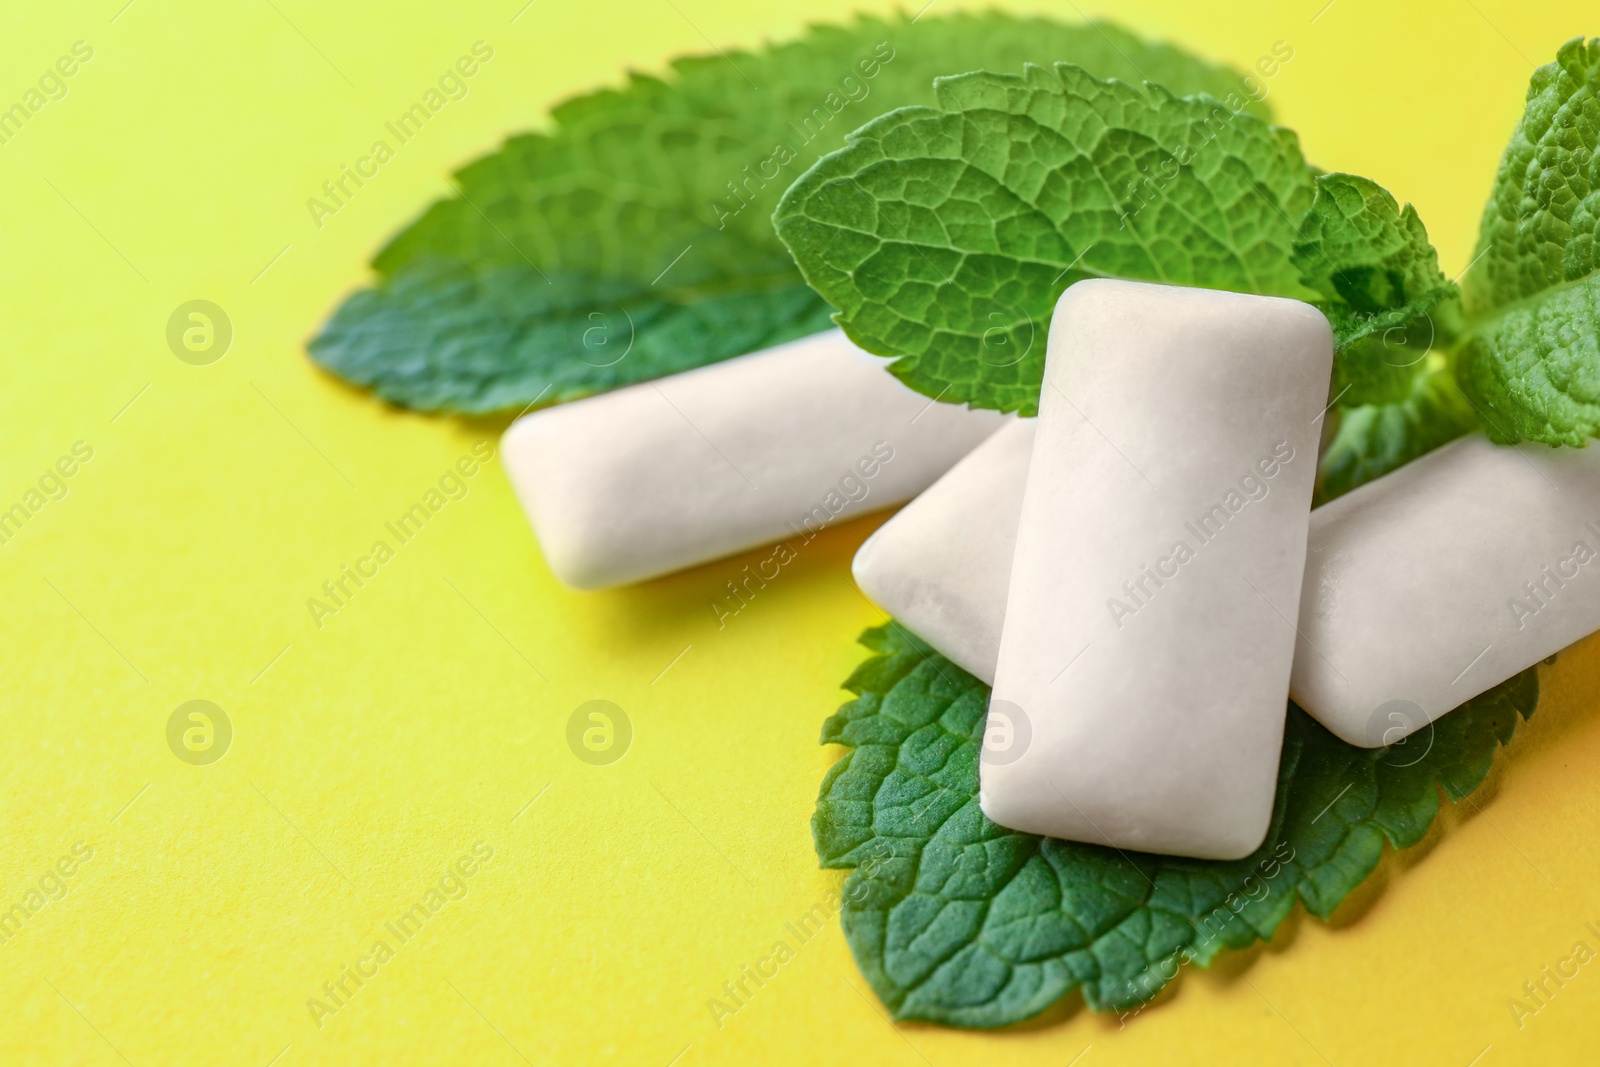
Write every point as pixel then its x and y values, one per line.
pixel 955 920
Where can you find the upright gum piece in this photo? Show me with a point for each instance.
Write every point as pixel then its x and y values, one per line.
pixel 1149 632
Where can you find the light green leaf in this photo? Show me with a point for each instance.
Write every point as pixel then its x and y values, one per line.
pixel 651 205
pixel 956 920
pixel 1534 370
pixel 1378 281
pixel 1532 361
pixel 944 235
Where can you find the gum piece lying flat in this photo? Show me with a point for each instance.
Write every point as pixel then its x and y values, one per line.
pixel 942 565
pixel 1148 635
pixel 663 475
pixel 1444 578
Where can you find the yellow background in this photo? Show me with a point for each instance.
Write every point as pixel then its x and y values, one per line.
pixel 430 711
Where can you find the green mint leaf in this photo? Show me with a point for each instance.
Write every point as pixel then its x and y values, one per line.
pixel 441 335
pixel 955 920
pixel 944 235
pixel 1371 440
pixel 1532 362
pixel 644 213
pixel 1533 371
pixel 1378 281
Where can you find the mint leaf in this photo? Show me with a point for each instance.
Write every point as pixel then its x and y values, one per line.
pixel 644 213
pixel 1533 360
pixel 1378 281
pixel 1373 439
pixel 442 335
pixel 1534 370
pixel 955 920
pixel 944 235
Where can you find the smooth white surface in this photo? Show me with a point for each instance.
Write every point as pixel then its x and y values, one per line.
pixel 1177 436
pixel 663 475
pixel 942 565
pixel 1444 578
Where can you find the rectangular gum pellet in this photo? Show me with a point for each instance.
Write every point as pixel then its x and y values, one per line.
pixel 1139 692
pixel 1444 578
pixel 656 477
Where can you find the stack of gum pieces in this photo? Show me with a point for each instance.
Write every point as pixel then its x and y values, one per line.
pixel 1154 726
pixel 1137 571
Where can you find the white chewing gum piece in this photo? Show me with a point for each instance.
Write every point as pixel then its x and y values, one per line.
pixel 663 475
pixel 942 565
pixel 1149 630
pixel 1444 578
